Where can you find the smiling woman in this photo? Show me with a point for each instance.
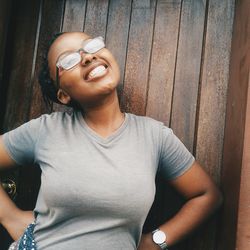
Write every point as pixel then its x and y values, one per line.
pixel 113 158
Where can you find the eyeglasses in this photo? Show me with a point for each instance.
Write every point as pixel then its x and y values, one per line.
pixel 70 60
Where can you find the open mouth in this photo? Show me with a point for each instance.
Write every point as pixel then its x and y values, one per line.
pixel 96 71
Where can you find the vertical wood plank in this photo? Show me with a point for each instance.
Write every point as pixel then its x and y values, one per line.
pixel 20 53
pixel 96 18
pixel 243 225
pixel 162 65
pixel 74 15
pixel 233 158
pixel 117 32
pixel 214 84
pixel 211 117
pixel 138 55
pixel 52 13
pixel 187 73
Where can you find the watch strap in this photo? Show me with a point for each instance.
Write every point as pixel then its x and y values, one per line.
pixel 163 245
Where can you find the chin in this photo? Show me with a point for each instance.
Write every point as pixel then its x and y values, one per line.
pixel 109 85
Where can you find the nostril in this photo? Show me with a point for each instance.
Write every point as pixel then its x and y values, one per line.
pixel 87 62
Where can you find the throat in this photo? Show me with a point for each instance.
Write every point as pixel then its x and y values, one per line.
pixel 106 130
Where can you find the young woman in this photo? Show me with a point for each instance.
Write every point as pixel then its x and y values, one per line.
pixel 98 164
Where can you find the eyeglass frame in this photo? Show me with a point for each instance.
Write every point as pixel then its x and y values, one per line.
pixel 77 51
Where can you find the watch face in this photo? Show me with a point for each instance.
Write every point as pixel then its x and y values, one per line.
pixel 159 237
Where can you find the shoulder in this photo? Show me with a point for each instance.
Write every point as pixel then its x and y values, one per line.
pixel 147 122
pixel 55 117
pixel 150 126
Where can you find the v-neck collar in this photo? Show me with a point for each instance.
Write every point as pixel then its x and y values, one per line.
pixel 90 132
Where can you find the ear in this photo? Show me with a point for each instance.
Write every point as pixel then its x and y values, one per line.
pixel 63 97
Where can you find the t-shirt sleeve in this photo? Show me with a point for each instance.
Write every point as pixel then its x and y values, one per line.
pixel 20 143
pixel 175 158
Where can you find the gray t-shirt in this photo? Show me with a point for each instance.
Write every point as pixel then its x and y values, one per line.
pixel 95 193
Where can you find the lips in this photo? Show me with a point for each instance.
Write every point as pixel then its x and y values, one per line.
pixel 95 70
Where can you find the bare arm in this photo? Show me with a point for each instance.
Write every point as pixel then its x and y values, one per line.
pixel 11 217
pixel 202 199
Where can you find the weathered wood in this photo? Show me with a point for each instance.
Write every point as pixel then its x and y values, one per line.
pixel 187 73
pixel 138 55
pixel 159 97
pixel 234 137
pixel 162 67
pixel 117 32
pixel 96 18
pixel 52 13
pixel 243 225
pixel 21 52
pixel 74 15
pixel 212 101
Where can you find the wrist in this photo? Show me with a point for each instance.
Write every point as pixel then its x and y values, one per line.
pixel 160 238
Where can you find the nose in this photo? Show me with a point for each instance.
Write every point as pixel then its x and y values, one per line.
pixel 86 58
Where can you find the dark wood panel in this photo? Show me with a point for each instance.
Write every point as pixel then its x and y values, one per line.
pixel 162 68
pixel 4 23
pixel 21 52
pixel 117 32
pixel 138 55
pixel 213 94
pixel 52 13
pixel 96 18
pixel 187 73
pixel 5 13
pixel 234 134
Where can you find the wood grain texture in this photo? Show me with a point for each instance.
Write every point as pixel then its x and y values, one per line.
pixel 233 162
pixel 243 225
pixel 138 56
pixel 96 18
pixel 162 65
pixel 20 51
pixel 52 13
pixel 74 15
pixel 117 32
pixel 187 72
pixel 212 102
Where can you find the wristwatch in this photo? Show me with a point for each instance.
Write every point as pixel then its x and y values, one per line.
pixel 159 238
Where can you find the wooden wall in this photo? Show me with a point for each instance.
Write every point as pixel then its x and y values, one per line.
pixel 174 57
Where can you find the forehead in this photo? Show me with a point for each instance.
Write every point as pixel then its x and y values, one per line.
pixel 69 41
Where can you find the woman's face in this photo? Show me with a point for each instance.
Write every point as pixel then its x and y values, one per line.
pixel 78 83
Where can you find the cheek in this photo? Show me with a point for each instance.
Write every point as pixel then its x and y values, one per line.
pixel 108 56
pixel 68 79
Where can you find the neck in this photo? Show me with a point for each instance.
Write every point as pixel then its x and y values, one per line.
pixel 106 115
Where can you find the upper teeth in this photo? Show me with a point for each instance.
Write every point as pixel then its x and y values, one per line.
pixel 97 71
